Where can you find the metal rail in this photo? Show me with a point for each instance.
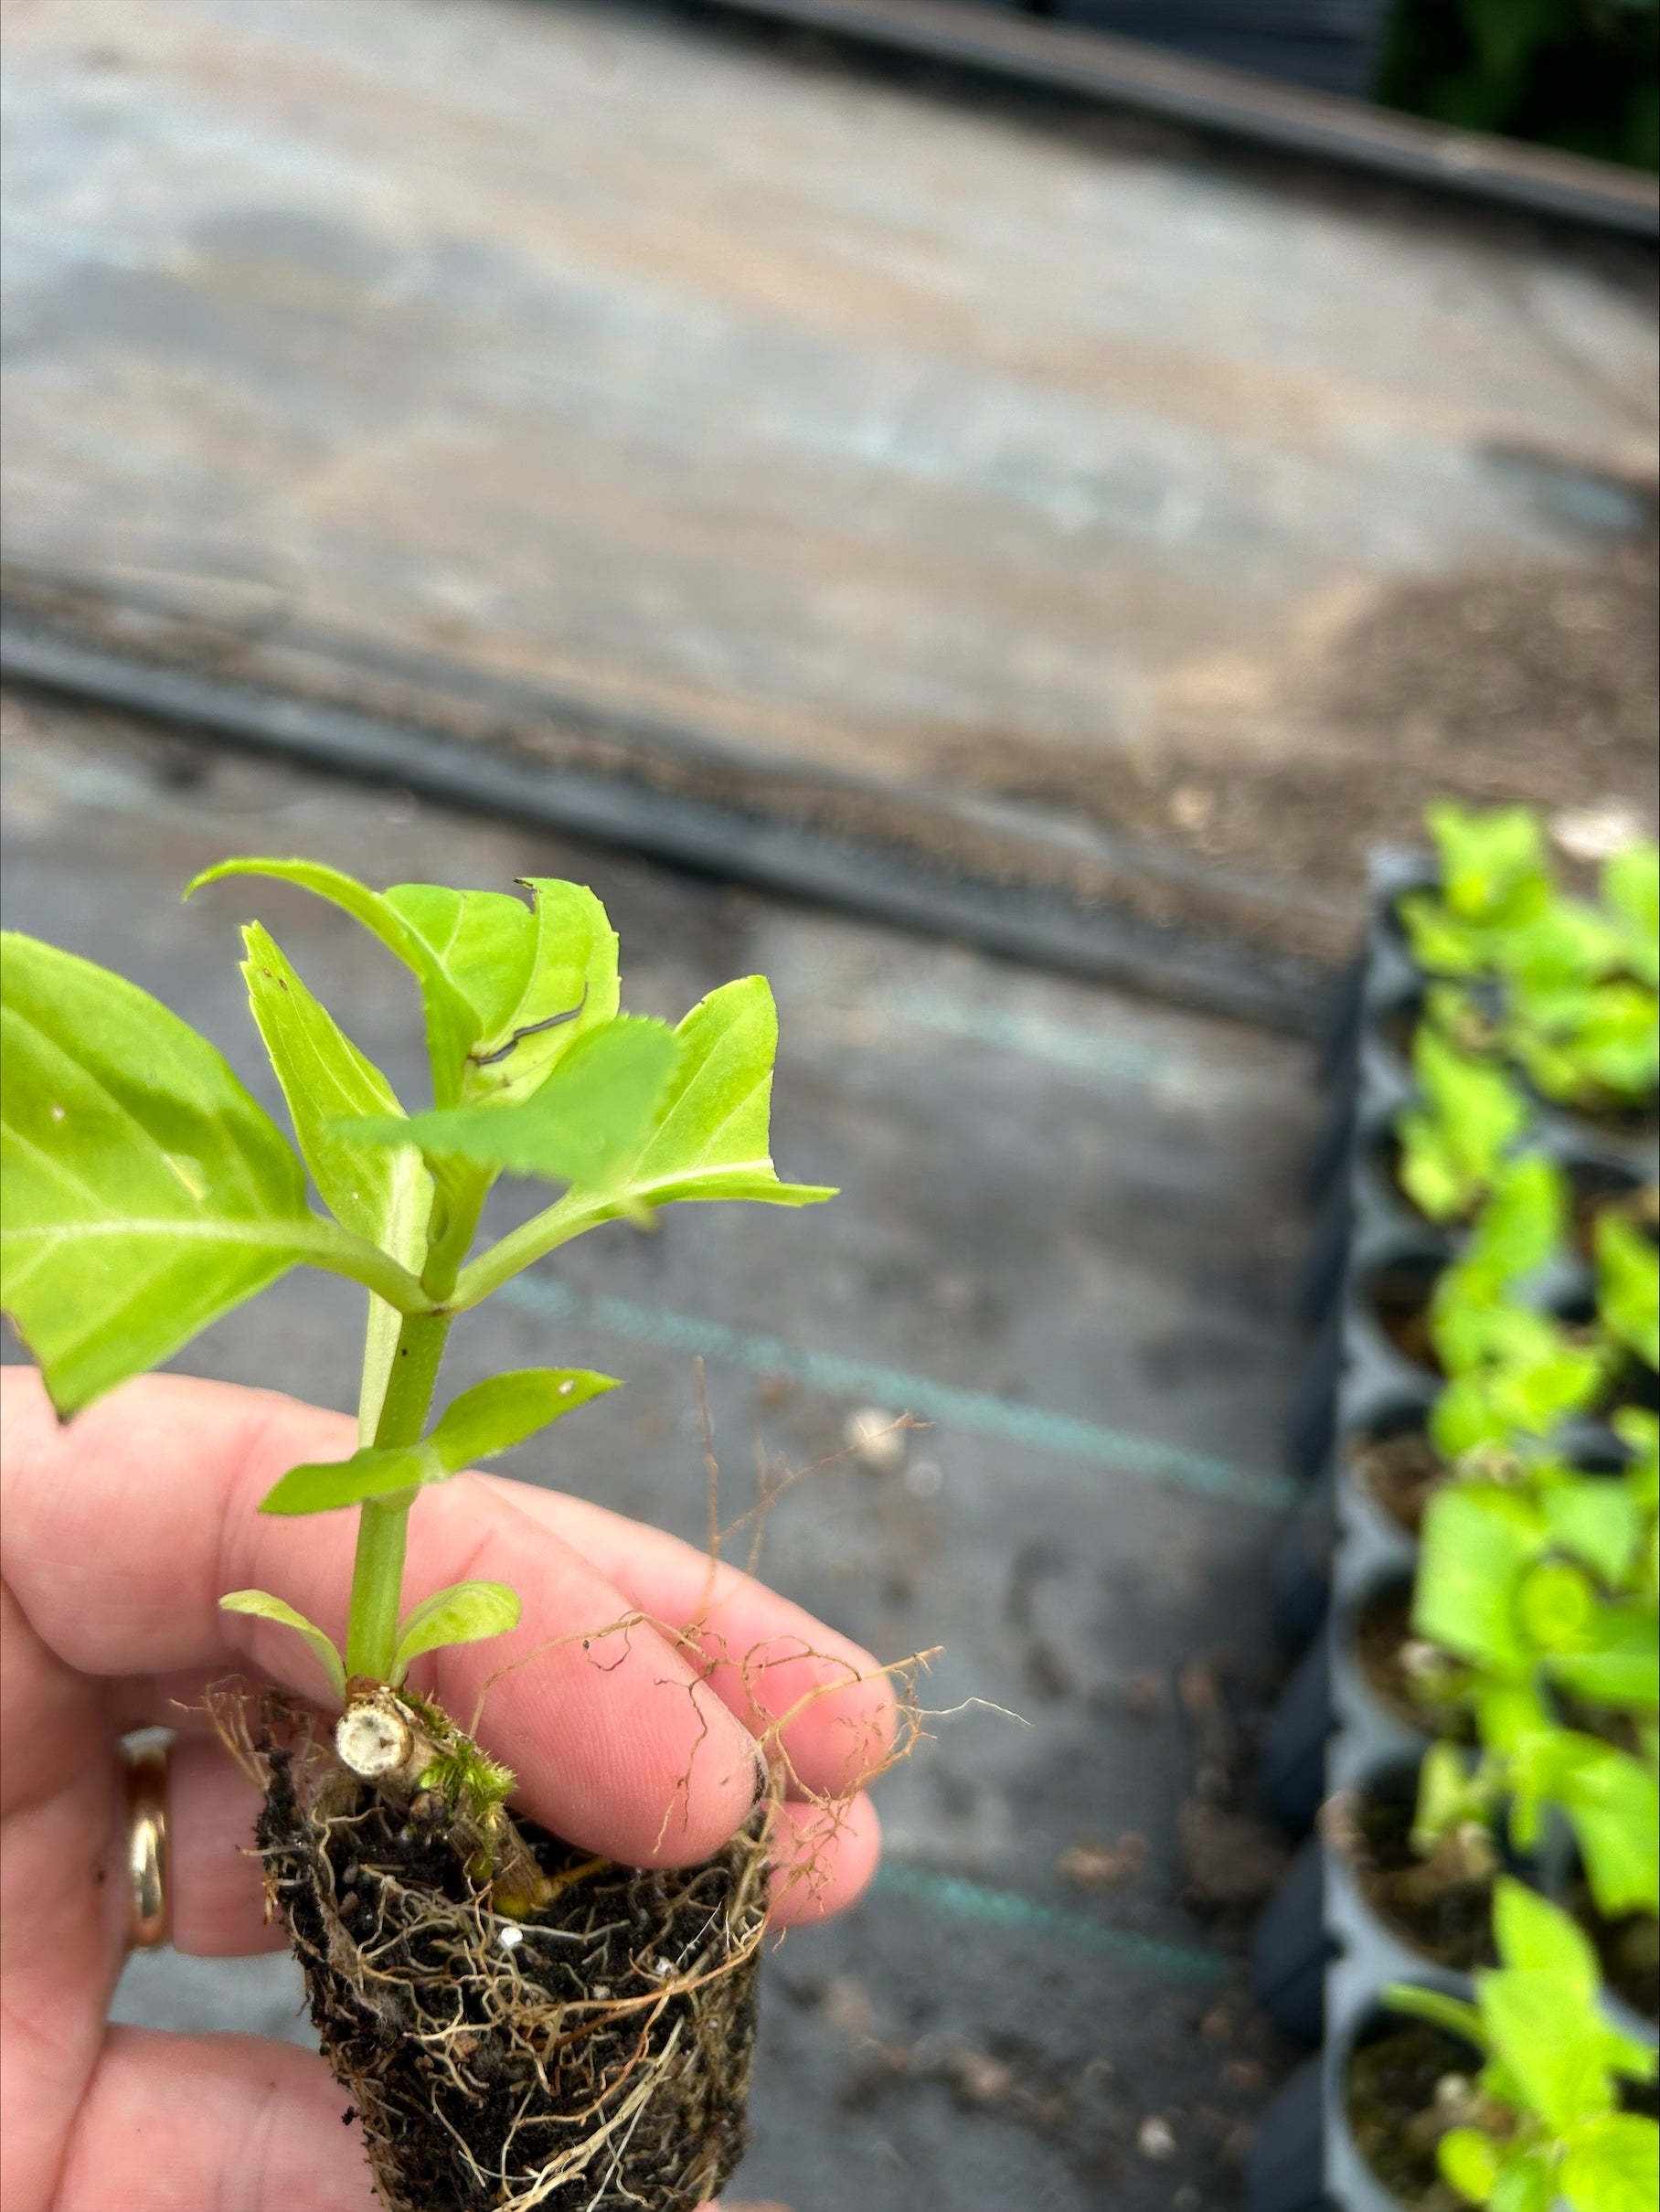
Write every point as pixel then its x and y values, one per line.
pixel 1232 103
pixel 857 876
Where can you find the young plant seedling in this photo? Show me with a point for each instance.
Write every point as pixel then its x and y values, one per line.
pixel 1513 1371
pixel 1564 989
pixel 147 1193
pixel 1505 1588
pixel 1542 2126
pixel 1454 1141
pixel 1579 985
pixel 1494 877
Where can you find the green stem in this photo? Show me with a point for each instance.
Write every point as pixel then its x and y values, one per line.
pixel 556 1225
pixel 371 1634
pixel 326 1244
pixel 372 1631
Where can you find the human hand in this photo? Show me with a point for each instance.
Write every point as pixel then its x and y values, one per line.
pixel 120 1534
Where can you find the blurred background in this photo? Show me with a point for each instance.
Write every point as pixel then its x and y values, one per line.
pixel 987 514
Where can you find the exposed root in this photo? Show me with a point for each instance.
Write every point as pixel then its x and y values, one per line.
pixel 590 2056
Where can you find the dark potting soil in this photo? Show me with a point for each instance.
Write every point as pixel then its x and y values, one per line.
pixel 1441 1912
pixel 1608 1723
pixel 1402 1472
pixel 1400 1299
pixel 1629 1949
pixel 1382 1637
pixel 1607 1117
pixel 1634 1384
pixel 1398 1026
pixel 1394 2116
pixel 1594 1185
pixel 597 2059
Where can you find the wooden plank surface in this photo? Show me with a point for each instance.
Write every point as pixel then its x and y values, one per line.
pixel 828 429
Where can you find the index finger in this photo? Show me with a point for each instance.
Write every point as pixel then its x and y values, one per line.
pixel 122 1529
pixel 822 1699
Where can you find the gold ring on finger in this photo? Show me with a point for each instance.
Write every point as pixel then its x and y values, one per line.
pixel 146 1804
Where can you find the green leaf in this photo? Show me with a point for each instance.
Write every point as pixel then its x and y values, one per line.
pixel 1540 2033
pixel 537 977
pixel 1610 1799
pixel 1492 865
pixel 146 1191
pixel 1433 1170
pixel 1448 1795
pixel 451 1024
pixel 494 1416
pixel 1591 1046
pixel 1537 1936
pixel 589 1118
pixel 389 1199
pixel 491 1417
pixel 1473 1325
pixel 1555 1605
pixel 712 1137
pixel 1451 2014
pixel 464 1614
pixel 1565 946
pixel 1628 1286
pixel 390 1473
pixel 1523 1222
pixel 1639 1430
pixel 1507 1713
pixel 324 1076
pixel 1479 1540
pixel 1442 943
pixel 1613 1658
pixel 1480 1102
pixel 1514 1371
pixel 1523 2184
pixel 1599 1519
pixel 1475 1112
pixel 1469 2162
pixel 264 1607
pixel 1631 888
pixel 709 1139
pixel 1612 2166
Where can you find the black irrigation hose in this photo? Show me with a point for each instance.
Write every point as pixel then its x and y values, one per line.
pixel 1082 63
pixel 886 884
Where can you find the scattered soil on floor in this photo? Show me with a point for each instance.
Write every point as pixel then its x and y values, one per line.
pixel 1536 684
pixel 1233 1861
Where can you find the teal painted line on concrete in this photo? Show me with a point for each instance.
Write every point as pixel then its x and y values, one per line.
pixel 1142 1458
pixel 966 1900
pixel 1035 1036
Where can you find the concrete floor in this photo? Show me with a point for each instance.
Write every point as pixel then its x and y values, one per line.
pixel 1067 1231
